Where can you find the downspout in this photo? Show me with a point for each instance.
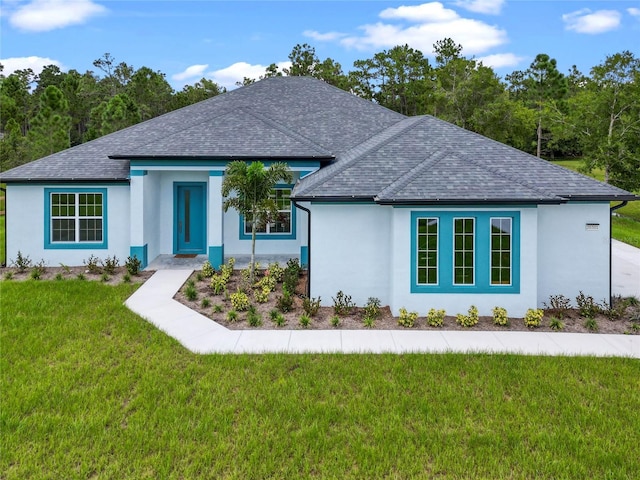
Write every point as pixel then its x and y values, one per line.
pixel 308 245
pixel 612 209
pixel 4 247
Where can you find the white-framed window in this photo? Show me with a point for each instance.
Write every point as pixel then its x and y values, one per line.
pixel 282 224
pixel 427 257
pixel 76 217
pixel 463 251
pixel 501 250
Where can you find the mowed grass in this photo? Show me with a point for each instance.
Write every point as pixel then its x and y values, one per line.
pixel 90 390
pixel 625 226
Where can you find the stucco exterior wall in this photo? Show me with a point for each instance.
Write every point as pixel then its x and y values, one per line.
pixel 350 251
pixel 25 217
pixel 573 256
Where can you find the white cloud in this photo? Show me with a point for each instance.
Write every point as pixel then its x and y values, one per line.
pixel 21 63
pixel 500 60
pixel 194 71
pixel 489 7
pixel 427 12
pixel 45 15
pixel 227 77
pixel 584 21
pixel 323 37
pixel 634 12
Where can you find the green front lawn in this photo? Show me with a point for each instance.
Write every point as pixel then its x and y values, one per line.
pixel 90 390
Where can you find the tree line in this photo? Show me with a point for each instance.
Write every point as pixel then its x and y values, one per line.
pixel 540 110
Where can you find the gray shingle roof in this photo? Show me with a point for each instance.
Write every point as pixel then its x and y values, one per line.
pixel 277 117
pixel 426 160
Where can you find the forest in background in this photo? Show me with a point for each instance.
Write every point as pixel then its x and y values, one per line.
pixel 592 116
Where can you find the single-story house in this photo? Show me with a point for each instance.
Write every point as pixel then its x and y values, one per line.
pixel 412 210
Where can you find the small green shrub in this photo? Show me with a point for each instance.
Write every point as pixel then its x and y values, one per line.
pixel 104 277
pixel 8 275
pixel 239 301
pixel 190 292
pixel 22 262
pixel 556 324
pixel 232 315
pixel 92 264
pixel 273 314
pixel 279 319
pixel 38 270
pixel 81 277
pixel 110 264
pixel 311 306
pixel 407 319
pixel 267 282
pixel 199 276
pixel 126 278
pixel 275 271
pixel 254 319
pixel 290 275
pixel 65 268
pixel 335 321
pixel 533 317
pixel 218 283
pixel 59 276
pixel 558 305
pixel 261 295
pixel 435 318
pixel 35 274
pixel 591 324
pixel 470 319
pixel 587 306
pixel 207 269
pixel 342 304
pixel 133 265
pixel 217 308
pixel 372 308
pixel 305 320
pixel 284 302
pixel 205 302
pixel 500 316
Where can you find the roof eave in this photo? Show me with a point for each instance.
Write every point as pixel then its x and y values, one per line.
pixel 222 157
pixel 48 181
pixel 467 201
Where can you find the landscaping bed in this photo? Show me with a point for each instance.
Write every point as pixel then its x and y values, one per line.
pixel 304 313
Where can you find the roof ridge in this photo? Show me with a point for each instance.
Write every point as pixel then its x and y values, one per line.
pixel 403 180
pixel 351 156
pixel 285 130
pixel 511 178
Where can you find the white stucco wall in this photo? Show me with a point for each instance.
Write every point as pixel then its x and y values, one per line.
pixel 573 258
pixel 25 226
pixel 350 251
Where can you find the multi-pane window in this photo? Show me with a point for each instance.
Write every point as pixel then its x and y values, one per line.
pixel 463 251
pixel 282 223
pixel 500 251
pixel 427 242
pixel 76 217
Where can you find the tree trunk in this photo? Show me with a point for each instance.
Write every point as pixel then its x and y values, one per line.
pixel 252 266
pixel 539 133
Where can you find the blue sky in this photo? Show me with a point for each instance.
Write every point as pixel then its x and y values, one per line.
pixel 228 40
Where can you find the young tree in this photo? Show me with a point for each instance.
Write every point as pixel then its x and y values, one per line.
pixel 49 132
pixel 252 185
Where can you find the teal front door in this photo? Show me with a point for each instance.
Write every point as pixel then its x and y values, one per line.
pixel 189 217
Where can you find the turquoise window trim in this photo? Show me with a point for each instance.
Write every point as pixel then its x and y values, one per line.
pixel 216 173
pixel 272 236
pixel 482 252
pixel 49 245
pixel 138 173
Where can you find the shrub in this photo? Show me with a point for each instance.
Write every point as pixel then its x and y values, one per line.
pixel 110 264
pixel 555 324
pixel 284 302
pixel 205 303
pixel 372 308
pixel 239 301
pixel 92 264
pixel 559 305
pixel 207 269
pixel 435 318
pixel 133 265
pixel 305 321
pixel 254 319
pixel 217 308
pixel 126 278
pixel 279 319
pixel 500 316
pixel 199 276
pixel 587 307
pixel 273 314
pixel 232 315
pixel 591 324
pixel 59 276
pixel 218 283
pixel 65 268
pixel 311 306
pixel 104 277
pixel 38 270
pixel 470 319
pixel 276 271
pixel 407 319
pixel 22 262
pixel 533 317
pixel 369 322
pixel 261 295
pixel 8 275
pixel 335 321
pixel 342 304
pixel 226 271
pixel 267 283
pixel 81 276
pixel 190 292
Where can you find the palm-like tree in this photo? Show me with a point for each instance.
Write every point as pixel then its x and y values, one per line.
pixel 252 184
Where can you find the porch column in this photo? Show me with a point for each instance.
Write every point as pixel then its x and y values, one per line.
pixel 215 230
pixel 138 247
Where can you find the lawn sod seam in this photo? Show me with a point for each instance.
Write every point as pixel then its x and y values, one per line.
pixel 90 390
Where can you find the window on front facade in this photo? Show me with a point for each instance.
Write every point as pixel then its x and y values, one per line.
pixel 427 241
pixel 501 251
pixel 76 217
pixel 282 223
pixel 463 251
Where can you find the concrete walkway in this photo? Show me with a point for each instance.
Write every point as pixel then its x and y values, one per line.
pixel 625 269
pixel 153 301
